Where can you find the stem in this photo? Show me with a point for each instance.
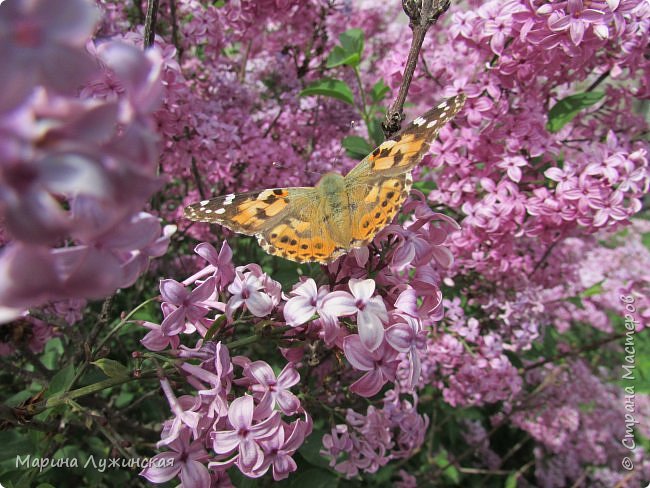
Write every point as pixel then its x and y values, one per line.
pixel 364 106
pixel 175 39
pixel 124 321
pixel 243 341
pixel 598 81
pixel 63 398
pixel 420 20
pixel 103 342
pixel 150 23
pixel 242 68
pixel 575 352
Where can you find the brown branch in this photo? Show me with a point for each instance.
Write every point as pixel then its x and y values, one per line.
pixel 598 81
pixel 175 37
pixel 150 23
pixel 242 67
pixel 575 352
pixel 197 178
pixel 422 14
pixel 547 253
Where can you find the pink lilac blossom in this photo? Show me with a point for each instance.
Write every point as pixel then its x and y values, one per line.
pixel 68 173
pixel 224 100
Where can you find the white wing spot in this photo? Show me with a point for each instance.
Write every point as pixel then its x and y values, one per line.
pixel 204 202
pixel 419 121
pixel 265 194
pixel 208 211
pixel 431 124
pixel 387 144
pixel 442 104
pixel 219 211
pixel 229 198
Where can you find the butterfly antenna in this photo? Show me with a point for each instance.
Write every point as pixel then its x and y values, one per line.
pixel 353 124
pixel 277 165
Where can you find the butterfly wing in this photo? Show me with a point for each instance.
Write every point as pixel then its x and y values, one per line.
pixel 381 182
pixel 404 151
pixel 286 221
pixel 378 202
pixel 247 213
pixel 291 222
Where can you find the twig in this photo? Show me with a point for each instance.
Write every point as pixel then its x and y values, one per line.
pixel 598 81
pixel 422 15
pixel 175 39
pixel 575 352
pixel 197 178
pixel 427 71
pixel 150 23
pixel 242 68
pixel 267 131
pixel 547 253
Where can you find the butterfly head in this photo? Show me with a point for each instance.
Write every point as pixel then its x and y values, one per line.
pixel 331 184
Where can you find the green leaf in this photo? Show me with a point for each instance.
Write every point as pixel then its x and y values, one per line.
pixel 450 472
pixel 425 186
pixel 314 478
pixel 595 289
pixel 60 381
pixel 376 132
pixel 566 109
pixel 576 301
pixel 111 368
pixel 645 239
pixel 340 57
pixel 511 480
pixel 53 351
pixel 216 325
pixel 356 147
pixel 352 41
pixel 310 450
pixel 379 91
pixel 330 87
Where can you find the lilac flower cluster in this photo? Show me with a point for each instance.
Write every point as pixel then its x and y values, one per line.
pixel 524 189
pixel 75 172
pixel 377 335
pixel 545 164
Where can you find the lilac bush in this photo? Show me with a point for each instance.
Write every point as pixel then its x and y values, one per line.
pixel 477 341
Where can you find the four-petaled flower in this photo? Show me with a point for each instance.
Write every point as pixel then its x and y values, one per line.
pixel 380 364
pixel 245 435
pixel 370 310
pixel 274 390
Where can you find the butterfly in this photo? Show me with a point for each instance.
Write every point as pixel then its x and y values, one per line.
pixel 318 224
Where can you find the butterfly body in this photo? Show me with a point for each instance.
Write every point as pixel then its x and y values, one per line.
pixel 318 224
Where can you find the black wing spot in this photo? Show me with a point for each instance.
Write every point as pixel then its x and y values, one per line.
pixel 278 192
pixel 366 224
pixel 384 203
pixel 274 235
pixel 377 215
pixel 304 246
pixel 390 195
pixel 397 184
pixel 284 239
pixel 318 245
pixel 376 152
pixel 399 155
pixel 384 152
pixel 293 242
